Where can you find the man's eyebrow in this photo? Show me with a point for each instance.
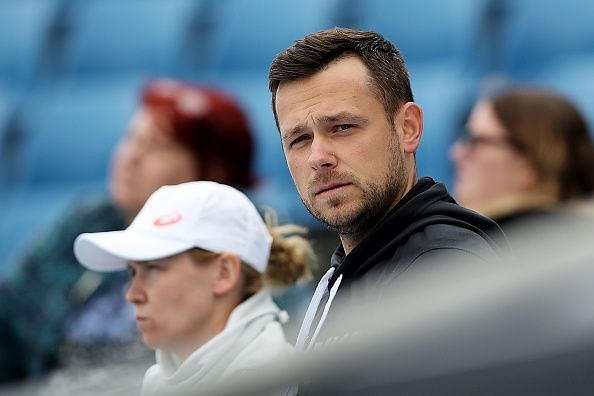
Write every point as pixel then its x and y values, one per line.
pixel 343 117
pixel 297 129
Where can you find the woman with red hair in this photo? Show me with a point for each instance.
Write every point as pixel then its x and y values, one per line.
pixel 181 133
pixel 54 312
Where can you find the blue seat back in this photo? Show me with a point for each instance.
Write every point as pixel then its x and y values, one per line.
pixel 72 131
pixel 249 34
pixel 24 26
pixel 115 36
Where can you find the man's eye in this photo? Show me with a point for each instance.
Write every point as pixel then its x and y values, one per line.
pixel 299 139
pixel 344 127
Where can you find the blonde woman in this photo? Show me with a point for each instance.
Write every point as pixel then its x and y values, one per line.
pixel 200 259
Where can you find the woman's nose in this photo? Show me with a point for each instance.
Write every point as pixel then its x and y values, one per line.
pixel 458 150
pixel 135 293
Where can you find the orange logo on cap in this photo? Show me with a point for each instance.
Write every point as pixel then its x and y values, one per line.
pixel 167 219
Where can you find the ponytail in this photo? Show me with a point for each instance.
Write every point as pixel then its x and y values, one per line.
pixel 290 262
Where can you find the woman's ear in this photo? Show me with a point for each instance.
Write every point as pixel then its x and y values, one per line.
pixel 228 274
pixel 410 117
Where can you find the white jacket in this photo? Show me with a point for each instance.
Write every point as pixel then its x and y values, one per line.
pixel 253 337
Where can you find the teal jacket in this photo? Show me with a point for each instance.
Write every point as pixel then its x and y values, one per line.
pixel 47 287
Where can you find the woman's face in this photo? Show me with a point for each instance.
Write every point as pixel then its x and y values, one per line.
pixel 487 167
pixel 174 300
pixel 146 159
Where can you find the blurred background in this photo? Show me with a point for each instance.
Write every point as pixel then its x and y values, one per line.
pixel 70 72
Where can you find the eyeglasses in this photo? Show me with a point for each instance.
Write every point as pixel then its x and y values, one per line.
pixel 473 142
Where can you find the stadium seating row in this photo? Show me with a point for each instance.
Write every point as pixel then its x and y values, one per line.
pixel 70 71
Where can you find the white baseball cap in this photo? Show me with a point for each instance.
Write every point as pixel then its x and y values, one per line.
pixel 201 214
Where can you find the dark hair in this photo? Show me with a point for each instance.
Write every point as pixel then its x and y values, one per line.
pixel 210 123
pixel 551 132
pixel 311 54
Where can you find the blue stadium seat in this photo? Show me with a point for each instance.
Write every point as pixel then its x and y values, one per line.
pixel 543 31
pixel 116 36
pixel 69 133
pixel 444 101
pixel 72 130
pixel 8 105
pixel 427 31
pixel 574 77
pixel 248 34
pixel 24 26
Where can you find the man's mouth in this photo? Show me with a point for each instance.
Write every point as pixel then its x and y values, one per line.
pixel 330 187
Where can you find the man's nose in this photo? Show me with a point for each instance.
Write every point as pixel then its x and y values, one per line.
pixel 322 154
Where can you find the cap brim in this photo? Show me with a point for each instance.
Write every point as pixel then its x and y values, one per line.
pixel 110 251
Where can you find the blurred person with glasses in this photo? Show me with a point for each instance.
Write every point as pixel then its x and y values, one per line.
pixel 527 150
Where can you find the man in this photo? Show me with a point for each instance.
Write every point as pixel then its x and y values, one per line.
pixel 349 129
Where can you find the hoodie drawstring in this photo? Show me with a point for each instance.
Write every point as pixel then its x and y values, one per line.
pixel 326 308
pixel 313 308
pixel 310 314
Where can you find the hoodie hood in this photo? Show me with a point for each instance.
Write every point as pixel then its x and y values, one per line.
pixel 425 204
pixel 254 325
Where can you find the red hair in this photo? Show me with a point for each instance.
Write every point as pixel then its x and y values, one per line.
pixel 207 121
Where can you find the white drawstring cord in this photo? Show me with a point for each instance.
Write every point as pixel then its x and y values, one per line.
pixel 326 309
pixel 310 315
pixel 311 310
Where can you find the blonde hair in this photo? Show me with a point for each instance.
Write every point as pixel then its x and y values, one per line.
pixel 291 258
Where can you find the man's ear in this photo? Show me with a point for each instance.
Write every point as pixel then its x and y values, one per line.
pixel 228 274
pixel 410 118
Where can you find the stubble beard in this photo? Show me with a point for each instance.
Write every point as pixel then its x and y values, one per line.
pixel 376 199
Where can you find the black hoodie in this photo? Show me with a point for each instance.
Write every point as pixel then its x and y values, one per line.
pixel 426 228
pixel 425 222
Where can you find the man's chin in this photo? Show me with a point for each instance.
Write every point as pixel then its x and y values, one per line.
pixel 339 220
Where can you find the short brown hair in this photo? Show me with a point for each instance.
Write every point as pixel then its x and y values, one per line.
pixel 552 134
pixel 311 54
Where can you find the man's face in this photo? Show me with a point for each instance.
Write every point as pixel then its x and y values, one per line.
pixel 343 153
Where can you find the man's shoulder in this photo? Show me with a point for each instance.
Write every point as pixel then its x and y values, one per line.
pixel 437 245
pixel 451 240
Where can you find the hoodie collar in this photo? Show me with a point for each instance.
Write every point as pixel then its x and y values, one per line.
pixel 256 306
pixel 426 203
